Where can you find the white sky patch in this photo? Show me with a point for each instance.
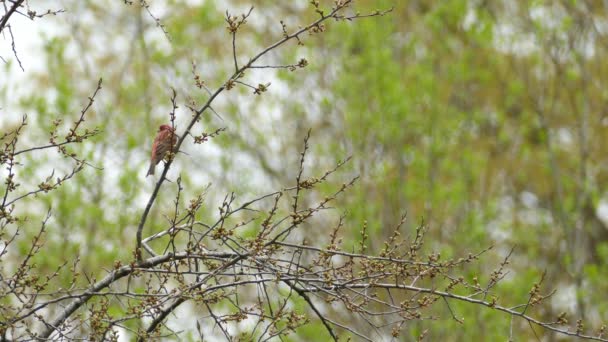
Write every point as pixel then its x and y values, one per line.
pixel 27 40
pixel 507 40
pixel 469 19
pixel 564 137
pixel 565 298
pixel 528 199
pixel 602 210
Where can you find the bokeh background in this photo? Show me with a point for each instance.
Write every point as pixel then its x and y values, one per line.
pixel 486 120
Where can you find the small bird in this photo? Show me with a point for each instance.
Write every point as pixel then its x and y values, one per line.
pixel 164 142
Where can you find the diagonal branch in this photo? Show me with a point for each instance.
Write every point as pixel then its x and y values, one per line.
pixel 9 13
pixel 314 308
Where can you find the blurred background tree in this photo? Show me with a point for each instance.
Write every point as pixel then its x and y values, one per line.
pixel 485 119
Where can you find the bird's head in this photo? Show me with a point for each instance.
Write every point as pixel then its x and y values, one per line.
pixel 165 128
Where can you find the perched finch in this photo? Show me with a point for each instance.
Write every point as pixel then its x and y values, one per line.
pixel 164 142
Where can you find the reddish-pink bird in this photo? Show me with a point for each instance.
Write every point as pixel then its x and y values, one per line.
pixel 164 142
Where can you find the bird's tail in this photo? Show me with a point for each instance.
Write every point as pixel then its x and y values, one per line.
pixel 151 169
